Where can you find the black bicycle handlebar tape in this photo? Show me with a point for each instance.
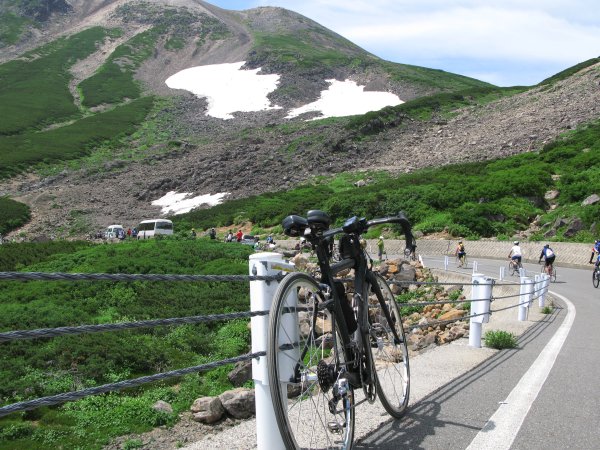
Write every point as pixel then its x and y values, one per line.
pixel 403 222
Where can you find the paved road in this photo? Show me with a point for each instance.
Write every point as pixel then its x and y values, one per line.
pixel 564 414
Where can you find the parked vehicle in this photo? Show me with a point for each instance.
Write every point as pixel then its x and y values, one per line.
pixel 112 231
pixel 150 228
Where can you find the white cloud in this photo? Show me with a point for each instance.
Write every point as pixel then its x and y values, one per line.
pixel 550 34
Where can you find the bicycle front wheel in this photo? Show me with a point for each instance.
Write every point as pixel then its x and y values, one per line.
pixel 596 277
pixel 313 402
pixel 390 353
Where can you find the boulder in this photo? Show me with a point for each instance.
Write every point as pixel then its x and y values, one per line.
pixel 452 314
pixel 162 406
pixel 238 403
pixel 594 198
pixel 207 409
pixel 241 373
pixel 575 226
pixel 551 195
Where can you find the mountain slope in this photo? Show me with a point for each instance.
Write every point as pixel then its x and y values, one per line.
pixel 177 147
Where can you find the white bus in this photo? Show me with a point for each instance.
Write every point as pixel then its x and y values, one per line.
pixel 149 228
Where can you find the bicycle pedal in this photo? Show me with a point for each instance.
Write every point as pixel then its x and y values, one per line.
pixel 335 427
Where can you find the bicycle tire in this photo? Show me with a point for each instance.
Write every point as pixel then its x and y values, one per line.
pixel 553 274
pixel 596 277
pixel 301 404
pixel 511 269
pixel 390 357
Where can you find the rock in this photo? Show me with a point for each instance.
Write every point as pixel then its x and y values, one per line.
pixel 575 226
pixel 239 402
pixel 163 406
pixel 207 409
pixel 241 373
pixel 592 199
pixel 551 195
pixel 300 261
pixel 453 314
pixel 360 183
pixel 322 325
pixel 408 273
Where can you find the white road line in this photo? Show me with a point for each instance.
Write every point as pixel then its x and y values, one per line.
pixel 501 429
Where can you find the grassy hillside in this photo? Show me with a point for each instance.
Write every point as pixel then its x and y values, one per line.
pixel 496 198
pixel 46 367
pixel 34 90
pixel 14 214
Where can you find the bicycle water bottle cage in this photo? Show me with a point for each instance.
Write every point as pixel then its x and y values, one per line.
pixel 294 226
pixel 354 225
pixel 318 220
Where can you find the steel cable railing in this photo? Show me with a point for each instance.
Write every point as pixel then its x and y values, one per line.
pixel 82 329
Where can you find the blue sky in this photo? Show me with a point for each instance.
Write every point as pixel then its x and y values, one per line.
pixel 504 42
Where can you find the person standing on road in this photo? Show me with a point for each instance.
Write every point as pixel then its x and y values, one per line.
pixel 380 247
pixel 460 253
pixel 239 235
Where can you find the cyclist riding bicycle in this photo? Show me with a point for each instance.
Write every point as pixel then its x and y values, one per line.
pixel 549 257
pixel 595 250
pixel 515 253
pixel 460 252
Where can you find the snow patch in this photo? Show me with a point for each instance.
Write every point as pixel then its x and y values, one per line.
pixel 180 203
pixel 346 98
pixel 227 88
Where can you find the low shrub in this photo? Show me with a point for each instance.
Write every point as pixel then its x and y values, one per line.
pixel 500 339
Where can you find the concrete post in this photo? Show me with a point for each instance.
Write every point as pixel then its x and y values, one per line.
pixel 502 271
pixel 526 289
pixel 261 296
pixel 446 262
pixel 482 290
pixel 544 283
pixel 474 267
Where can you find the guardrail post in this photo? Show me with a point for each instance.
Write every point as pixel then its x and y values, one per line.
pixel 502 269
pixel 522 272
pixel 446 262
pixel 481 296
pixel 544 282
pixel 474 267
pixel 526 289
pixel 261 296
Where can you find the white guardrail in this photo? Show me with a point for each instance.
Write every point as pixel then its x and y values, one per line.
pixel 261 297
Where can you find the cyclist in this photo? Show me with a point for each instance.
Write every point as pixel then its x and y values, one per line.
pixel 595 250
pixel 515 254
pixel 460 252
pixel 549 257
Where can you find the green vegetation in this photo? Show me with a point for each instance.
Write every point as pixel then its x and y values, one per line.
pixel 547 310
pixel 14 214
pixel 113 82
pixel 499 339
pixel 494 198
pixel 569 72
pixel 46 367
pixel 11 28
pixel 34 91
pixel 19 152
pixel 432 78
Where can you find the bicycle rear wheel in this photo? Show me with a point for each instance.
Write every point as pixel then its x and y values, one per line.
pixel 511 268
pixel 553 274
pixel 596 277
pixel 313 402
pixel 389 350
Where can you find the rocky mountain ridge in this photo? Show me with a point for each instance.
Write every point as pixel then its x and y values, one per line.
pixel 263 151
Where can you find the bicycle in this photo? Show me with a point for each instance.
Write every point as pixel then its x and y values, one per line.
pixel 410 253
pixel 596 276
pixel 462 261
pixel 327 340
pixel 514 267
pixel 550 271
